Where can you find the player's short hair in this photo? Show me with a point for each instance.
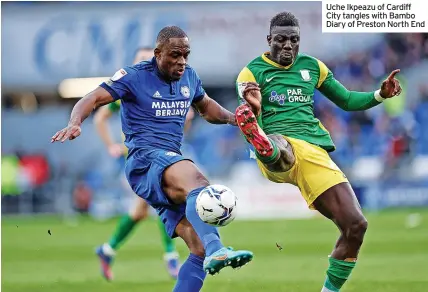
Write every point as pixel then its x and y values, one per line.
pixel 169 32
pixel 284 19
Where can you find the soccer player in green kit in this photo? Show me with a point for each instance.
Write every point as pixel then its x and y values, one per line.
pixel 140 209
pixel 276 116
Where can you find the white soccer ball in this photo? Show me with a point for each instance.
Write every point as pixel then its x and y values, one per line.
pixel 216 205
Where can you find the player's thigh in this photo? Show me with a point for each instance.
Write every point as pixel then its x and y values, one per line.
pixel 340 204
pixel 140 209
pixel 180 178
pixel 186 231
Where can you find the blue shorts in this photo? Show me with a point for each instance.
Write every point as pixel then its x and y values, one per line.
pixel 144 170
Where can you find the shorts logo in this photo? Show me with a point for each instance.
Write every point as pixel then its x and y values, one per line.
pixel 170 153
pixel 119 74
pixel 185 91
pixel 305 75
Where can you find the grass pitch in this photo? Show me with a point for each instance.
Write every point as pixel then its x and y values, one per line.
pixel 393 258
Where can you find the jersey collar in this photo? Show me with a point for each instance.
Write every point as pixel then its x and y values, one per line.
pixel 269 61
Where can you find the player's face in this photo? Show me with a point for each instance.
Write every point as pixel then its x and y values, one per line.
pixel 172 57
pixel 284 44
pixel 143 55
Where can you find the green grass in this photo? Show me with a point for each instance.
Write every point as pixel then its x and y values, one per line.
pixel 393 258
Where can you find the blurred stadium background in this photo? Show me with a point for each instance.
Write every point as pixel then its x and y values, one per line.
pixel 53 53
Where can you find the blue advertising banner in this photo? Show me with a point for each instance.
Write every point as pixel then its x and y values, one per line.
pixel 44 43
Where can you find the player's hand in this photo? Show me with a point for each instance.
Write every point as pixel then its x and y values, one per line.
pixel 390 86
pixel 116 150
pixel 70 132
pixel 253 97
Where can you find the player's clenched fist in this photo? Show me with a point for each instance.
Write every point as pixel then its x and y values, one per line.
pixel 70 132
pixel 253 97
pixel 391 86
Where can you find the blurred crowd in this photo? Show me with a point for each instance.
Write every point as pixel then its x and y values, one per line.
pixel 392 131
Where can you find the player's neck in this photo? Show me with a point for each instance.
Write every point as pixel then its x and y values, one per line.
pixel 161 74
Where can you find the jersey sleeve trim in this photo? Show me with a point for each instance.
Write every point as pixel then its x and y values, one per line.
pixel 198 98
pixel 246 76
pixel 377 96
pixel 323 73
pixel 110 90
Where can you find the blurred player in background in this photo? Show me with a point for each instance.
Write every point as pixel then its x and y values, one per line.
pixel 276 116
pixel 140 210
pixel 155 98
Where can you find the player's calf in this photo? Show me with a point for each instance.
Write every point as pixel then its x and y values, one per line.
pixel 354 236
pixel 341 206
pixel 344 257
pixel 285 159
pixel 191 276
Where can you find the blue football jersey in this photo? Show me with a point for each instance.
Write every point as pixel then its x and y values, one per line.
pixel 153 110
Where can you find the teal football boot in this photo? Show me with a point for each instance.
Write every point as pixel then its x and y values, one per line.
pixel 226 257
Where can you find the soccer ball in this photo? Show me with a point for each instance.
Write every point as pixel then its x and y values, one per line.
pixel 216 205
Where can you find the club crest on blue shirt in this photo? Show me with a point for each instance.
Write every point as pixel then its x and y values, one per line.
pixel 185 91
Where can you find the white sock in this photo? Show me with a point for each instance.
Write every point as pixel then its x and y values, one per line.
pixel 108 250
pixel 170 255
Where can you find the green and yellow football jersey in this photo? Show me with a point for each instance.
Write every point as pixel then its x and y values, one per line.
pixel 287 97
pixel 114 106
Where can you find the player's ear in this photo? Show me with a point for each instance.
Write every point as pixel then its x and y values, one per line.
pixel 157 52
pixel 269 39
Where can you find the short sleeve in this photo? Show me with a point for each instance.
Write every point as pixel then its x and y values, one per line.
pixel 119 86
pixel 199 89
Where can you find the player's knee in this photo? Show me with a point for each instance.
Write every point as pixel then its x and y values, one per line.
pixel 201 180
pixel 138 215
pixel 357 230
pixel 140 211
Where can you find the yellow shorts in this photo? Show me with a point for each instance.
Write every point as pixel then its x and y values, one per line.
pixel 313 173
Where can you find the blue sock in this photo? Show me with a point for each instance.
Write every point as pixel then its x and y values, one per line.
pixel 207 233
pixel 191 276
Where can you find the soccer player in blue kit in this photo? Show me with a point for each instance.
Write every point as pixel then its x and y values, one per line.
pixel 155 97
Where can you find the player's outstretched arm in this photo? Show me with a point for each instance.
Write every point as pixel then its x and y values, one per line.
pixel 354 100
pixel 80 112
pixel 214 113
